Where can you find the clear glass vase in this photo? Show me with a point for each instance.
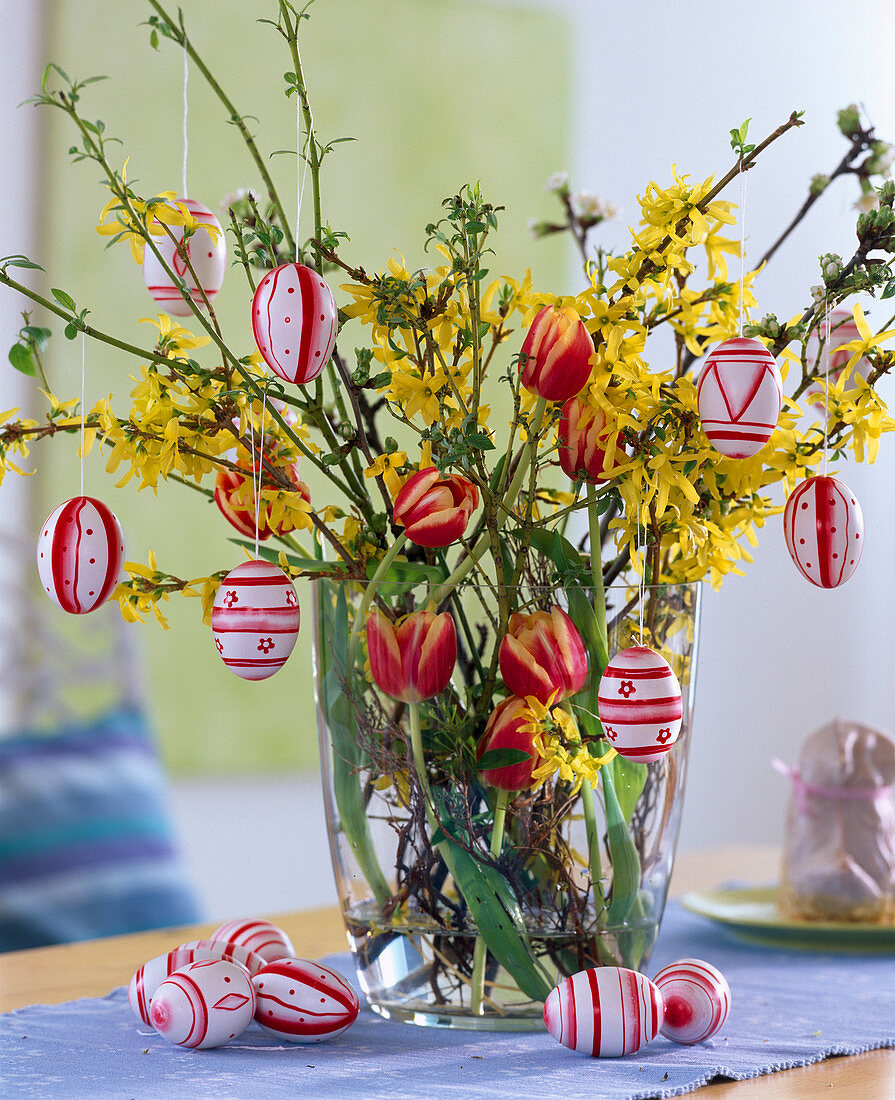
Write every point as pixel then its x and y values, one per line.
pixel 446 929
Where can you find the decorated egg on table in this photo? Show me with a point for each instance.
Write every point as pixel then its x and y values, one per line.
pixel 303 1002
pixel 204 1004
pixel 151 974
pixel 294 321
pixel 739 396
pixel 824 529
pixel 697 1000
pixel 207 257
pixel 255 619
pixel 605 1012
pixel 639 702
pixel 263 939
pixel 80 549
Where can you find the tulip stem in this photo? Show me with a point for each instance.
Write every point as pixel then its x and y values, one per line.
pixel 419 763
pixel 481 948
pixel 369 592
pixel 593 848
pixel 596 562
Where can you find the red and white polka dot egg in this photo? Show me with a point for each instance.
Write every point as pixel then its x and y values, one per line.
pixel 294 321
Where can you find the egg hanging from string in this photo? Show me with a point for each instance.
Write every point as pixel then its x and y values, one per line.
pixel 80 550
pixel 207 256
pixel 639 703
pixel 824 529
pixel 294 321
pixel 739 396
pixel 255 619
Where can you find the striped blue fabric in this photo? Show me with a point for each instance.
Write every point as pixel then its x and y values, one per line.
pixel 85 845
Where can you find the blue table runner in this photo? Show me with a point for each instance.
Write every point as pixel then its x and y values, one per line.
pixel 789 1008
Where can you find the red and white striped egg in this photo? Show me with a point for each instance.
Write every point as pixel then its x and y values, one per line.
pixel 739 396
pixel 304 1002
pixel 265 940
pixel 204 1004
pixel 294 321
pixel 604 1012
pixel 824 529
pixel 151 974
pixel 639 702
pixel 208 259
pixel 80 549
pixel 697 1000
pixel 255 619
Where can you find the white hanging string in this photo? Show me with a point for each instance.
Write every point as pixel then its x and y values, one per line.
pixel 301 169
pixel 641 554
pixel 258 467
pixel 186 110
pixel 83 406
pixel 826 337
pixel 742 241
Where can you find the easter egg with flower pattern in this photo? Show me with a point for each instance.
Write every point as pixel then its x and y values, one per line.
pixel 294 322
pixel 605 1012
pixel 304 1002
pixel 204 1004
pixel 697 1000
pixel 739 396
pixel 255 619
pixel 824 529
pixel 80 549
pixel 207 253
pixel 640 706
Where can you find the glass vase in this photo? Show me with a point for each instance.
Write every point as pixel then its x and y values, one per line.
pixel 446 928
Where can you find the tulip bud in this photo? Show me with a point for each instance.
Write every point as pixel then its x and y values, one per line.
pixel 542 654
pixel 412 659
pixel 583 436
pixel 511 726
pixel 556 353
pixel 238 507
pixel 434 509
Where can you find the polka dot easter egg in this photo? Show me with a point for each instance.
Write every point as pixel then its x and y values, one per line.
pixel 739 396
pixel 824 529
pixel 605 1012
pixel 294 320
pixel 205 1004
pixel 639 702
pixel 697 1000
pixel 265 940
pixel 255 620
pixel 303 1002
pixel 80 549
pixel 207 254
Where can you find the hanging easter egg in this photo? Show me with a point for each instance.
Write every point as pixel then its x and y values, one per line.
pixel 697 1000
pixel 639 702
pixel 294 320
pixel 255 619
pixel 80 549
pixel 150 976
pixel 262 938
pixel 207 255
pixel 824 529
pixel 604 1012
pixel 204 1004
pixel 303 1002
pixel 739 396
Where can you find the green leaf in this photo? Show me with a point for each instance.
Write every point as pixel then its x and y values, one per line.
pixel 21 358
pixel 623 851
pixel 407 573
pixel 889 290
pixel 70 331
pixel 64 299
pixel 19 261
pixel 502 758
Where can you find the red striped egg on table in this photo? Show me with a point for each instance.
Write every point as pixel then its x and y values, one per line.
pixel 151 974
pixel 263 939
pixel 824 529
pixel 80 550
pixel 697 1000
pixel 294 320
pixel 303 1002
pixel 255 619
pixel 204 1004
pixel 605 1012
pixel 207 255
pixel 739 396
pixel 639 702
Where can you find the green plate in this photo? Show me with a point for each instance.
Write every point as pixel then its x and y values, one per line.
pixel 751 914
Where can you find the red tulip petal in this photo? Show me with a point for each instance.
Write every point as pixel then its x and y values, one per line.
pixel 385 655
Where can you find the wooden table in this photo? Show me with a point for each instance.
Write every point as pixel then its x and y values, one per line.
pixel 48 975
